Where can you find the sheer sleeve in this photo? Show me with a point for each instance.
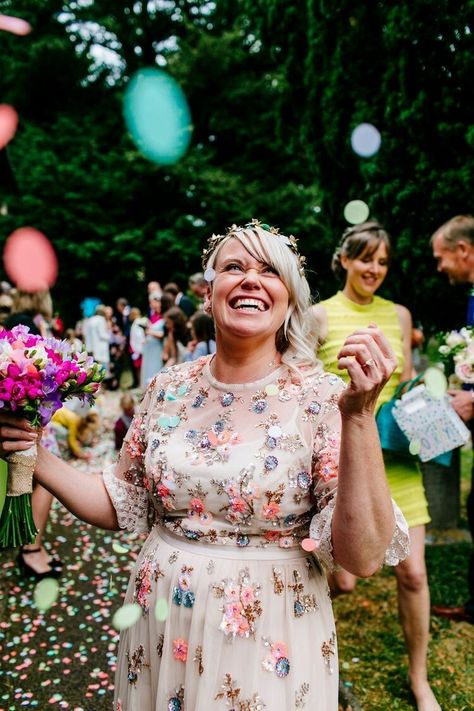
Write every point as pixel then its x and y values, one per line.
pixel 325 476
pixel 126 481
pixel 325 467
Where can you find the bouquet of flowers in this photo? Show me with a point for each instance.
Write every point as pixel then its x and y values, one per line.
pixel 36 376
pixel 456 352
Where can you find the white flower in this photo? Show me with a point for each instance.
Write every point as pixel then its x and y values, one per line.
pixel 39 354
pixel 455 338
pixel 444 350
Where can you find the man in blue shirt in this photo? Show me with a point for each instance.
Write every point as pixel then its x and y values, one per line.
pixel 453 249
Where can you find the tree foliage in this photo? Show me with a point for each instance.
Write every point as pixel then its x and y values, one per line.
pixel 275 89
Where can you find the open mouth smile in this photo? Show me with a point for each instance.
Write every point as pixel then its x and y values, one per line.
pixel 249 305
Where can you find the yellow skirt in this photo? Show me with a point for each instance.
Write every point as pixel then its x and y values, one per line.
pixel 406 487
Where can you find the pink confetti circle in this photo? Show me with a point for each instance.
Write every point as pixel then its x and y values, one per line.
pixel 30 260
pixel 308 544
pixel 8 124
pixel 15 25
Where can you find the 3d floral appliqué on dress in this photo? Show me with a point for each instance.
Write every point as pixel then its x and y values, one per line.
pixel 228 479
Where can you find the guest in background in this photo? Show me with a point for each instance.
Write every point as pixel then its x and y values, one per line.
pixel 32 309
pixel 453 249
pixel 199 287
pixel 136 341
pixel 180 299
pixel 177 335
pixel 362 261
pixel 202 336
pixel 152 361
pixel 78 431
pixel 6 303
pixel 97 337
pixel 127 405
pixel 75 342
pixel 122 314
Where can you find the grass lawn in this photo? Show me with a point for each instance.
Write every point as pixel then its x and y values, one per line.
pixel 373 659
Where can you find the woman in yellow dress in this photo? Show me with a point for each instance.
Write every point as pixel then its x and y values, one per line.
pixel 362 261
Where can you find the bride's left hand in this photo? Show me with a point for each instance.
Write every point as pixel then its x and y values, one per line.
pixel 370 361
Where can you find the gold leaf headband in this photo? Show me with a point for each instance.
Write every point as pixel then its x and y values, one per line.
pixel 290 241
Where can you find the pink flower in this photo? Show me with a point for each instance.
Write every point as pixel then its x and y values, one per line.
pixel 162 490
pixel 279 649
pixel 196 505
pixel 233 610
pixel 231 592
pixel 243 628
pixel 272 535
pixel 270 510
pixel 247 595
pixel 180 649
pixel 238 505
pixel 232 490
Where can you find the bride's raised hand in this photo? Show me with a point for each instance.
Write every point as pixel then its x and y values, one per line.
pixel 370 361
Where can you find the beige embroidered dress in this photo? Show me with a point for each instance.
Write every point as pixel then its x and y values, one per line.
pixel 227 479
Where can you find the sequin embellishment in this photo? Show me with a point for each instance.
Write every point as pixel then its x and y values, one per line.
pixel 277 661
pixel 182 594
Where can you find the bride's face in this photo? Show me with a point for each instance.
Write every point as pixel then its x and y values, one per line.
pixel 249 299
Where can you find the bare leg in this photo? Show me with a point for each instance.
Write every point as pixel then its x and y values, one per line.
pixel 341 583
pixel 414 611
pixel 41 501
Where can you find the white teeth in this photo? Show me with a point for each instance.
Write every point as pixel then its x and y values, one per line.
pixel 254 304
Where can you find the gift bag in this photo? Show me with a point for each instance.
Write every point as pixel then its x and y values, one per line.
pixel 432 421
pixel 392 438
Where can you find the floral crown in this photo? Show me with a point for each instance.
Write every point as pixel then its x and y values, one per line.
pixel 290 241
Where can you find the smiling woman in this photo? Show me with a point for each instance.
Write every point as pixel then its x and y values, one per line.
pixel 362 260
pixel 251 469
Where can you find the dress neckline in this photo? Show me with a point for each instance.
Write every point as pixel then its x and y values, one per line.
pixel 354 305
pixel 241 387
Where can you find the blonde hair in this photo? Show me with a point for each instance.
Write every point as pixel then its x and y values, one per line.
pixel 88 424
pixel 294 340
pixel 38 302
pixel 127 400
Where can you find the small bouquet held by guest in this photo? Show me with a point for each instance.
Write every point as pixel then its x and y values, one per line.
pixel 36 376
pixel 456 352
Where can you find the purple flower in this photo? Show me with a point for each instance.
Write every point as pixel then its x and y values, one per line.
pixel 19 331
pixel 49 385
pixel 47 409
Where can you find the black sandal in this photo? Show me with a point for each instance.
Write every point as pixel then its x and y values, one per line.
pixel 27 571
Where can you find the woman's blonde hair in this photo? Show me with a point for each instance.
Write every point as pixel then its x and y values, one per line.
pixel 88 424
pixel 38 302
pixel 294 340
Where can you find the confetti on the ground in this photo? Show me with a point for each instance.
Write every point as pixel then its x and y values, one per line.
pixel 64 657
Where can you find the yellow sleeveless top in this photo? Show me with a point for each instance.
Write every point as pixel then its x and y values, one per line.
pixel 344 316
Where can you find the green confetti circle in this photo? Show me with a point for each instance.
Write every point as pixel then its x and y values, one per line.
pixel 436 383
pixel 46 593
pixel 126 616
pixel 118 548
pixel 161 610
pixel 356 211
